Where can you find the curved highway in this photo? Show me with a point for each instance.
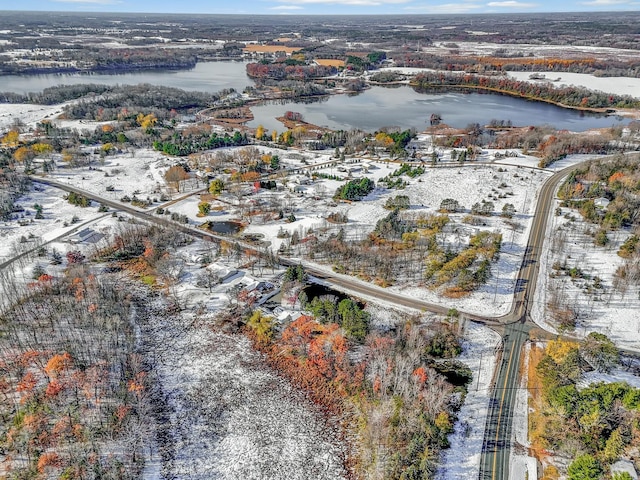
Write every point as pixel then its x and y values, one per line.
pixel 496 446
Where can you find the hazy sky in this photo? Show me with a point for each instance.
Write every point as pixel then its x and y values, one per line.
pixel 324 6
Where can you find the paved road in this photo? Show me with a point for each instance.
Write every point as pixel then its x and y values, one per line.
pixel 496 446
pixel 341 282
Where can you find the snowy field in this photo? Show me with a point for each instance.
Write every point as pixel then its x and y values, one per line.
pixel 547 50
pixel 138 172
pixel 25 231
pixel 26 113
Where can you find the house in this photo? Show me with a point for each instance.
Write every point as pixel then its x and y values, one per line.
pixel 86 235
pixel 225 274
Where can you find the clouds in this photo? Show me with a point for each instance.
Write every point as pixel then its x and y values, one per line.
pixel 362 3
pixel 513 4
pixel 610 3
pixel 345 3
pixel 286 8
pixel 476 7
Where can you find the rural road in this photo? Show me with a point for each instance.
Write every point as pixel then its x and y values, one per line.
pixel 342 282
pixel 496 446
pixel 516 324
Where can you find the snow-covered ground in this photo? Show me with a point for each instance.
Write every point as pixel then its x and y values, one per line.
pixel 616 375
pixel 25 231
pixel 26 113
pixel 462 460
pixel 139 171
pixel 32 241
pixel 546 50
pixel 615 85
pixel 230 417
pixel 604 310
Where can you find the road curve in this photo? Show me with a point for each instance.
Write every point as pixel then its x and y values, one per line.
pixel 496 445
pixel 338 281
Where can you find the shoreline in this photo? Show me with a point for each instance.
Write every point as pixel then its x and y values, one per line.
pixel 600 111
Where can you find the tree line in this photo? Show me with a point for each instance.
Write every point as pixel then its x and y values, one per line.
pixel 568 96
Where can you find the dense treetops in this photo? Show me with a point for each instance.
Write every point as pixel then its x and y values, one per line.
pixel 355 189
pixel 142 95
pixel 595 424
pixel 185 145
pixel 282 71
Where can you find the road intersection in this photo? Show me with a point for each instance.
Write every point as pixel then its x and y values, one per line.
pixel 514 326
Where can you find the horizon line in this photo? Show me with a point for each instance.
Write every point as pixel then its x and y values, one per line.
pixel 94 12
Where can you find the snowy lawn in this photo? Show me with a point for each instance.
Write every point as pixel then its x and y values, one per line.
pixel 139 172
pixel 26 113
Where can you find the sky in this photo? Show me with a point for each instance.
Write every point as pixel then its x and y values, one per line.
pixel 307 7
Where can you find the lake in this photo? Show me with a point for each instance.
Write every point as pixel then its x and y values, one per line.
pixel 370 110
pixel 405 108
pixel 205 76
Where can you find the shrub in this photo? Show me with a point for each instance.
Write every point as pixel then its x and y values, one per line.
pixel 355 189
pixel 398 202
pixel 78 200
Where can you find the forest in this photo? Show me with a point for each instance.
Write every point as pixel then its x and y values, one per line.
pixel 114 97
pixel 282 71
pixel 615 181
pixel 183 145
pixel 594 425
pixel 76 401
pixel 100 60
